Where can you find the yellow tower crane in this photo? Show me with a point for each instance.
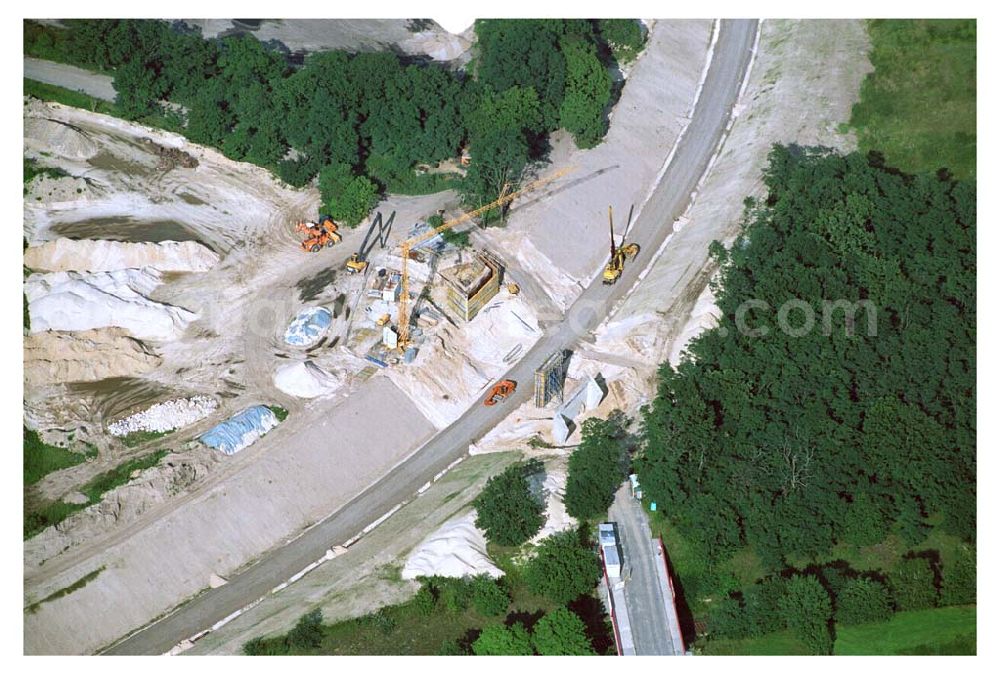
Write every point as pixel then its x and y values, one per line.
pixel 406 246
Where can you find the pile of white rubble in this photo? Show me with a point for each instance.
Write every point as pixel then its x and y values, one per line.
pixel 74 301
pixel 166 416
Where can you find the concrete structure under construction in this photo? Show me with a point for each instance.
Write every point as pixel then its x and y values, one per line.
pixel 473 284
pixel 550 378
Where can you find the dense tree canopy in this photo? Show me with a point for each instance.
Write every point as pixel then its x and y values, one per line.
pixel 370 112
pixel 597 467
pixel 788 440
pixel 507 510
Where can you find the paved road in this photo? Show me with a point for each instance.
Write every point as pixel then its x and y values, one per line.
pixel 69 77
pixel 732 56
pixel 655 630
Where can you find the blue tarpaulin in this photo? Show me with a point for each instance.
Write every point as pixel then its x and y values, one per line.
pixel 309 326
pixel 241 430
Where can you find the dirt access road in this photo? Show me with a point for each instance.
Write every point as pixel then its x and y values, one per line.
pixel 670 198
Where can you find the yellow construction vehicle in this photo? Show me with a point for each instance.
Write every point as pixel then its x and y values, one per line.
pixel 513 288
pixel 383 320
pixel 355 264
pixel 408 245
pixel 615 266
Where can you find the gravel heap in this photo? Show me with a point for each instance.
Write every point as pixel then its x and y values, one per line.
pixel 165 416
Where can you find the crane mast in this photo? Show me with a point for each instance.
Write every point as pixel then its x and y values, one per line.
pixel 407 245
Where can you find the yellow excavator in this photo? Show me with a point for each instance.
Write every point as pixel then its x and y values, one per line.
pixel 613 271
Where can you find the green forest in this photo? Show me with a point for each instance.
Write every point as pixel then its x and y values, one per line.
pixel 361 122
pixel 784 448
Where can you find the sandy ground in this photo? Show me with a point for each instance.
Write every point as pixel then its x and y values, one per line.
pixel 231 352
pixel 69 77
pixel 562 238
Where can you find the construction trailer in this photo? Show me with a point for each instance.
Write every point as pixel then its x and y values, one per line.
pixel 550 378
pixel 472 285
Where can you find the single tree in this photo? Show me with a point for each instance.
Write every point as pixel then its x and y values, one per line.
pixel 507 510
pixel 561 632
pixel 563 568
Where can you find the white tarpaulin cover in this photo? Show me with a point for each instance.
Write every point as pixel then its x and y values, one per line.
pixel 241 430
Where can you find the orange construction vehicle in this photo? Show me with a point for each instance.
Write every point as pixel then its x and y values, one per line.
pixel 500 392
pixel 319 235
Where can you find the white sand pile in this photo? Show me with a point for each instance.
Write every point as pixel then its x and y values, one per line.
pixel 166 416
pixel 553 490
pixel 61 357
pixel 64 254
pixel 71 301
pixel 306 379
pixel 704 315
pixel 456 549
pixel 58 138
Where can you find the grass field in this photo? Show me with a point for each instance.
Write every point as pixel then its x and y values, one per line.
pixel 919 105
pixel 950 630
pixel 41 458
pixel 66 97
pixel 944 631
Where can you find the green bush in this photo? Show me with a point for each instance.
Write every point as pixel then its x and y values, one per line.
pixel 488 596
pixel 561 633
pixel 500 640
pixel 625 37
pixel 346 197
pixel 728 619
pixel 762 603
pixel 912 583
pixel 958 578
pixel 863 600
pixel 563 568
pixel 424 601
pixel 307 634
pixel 808 612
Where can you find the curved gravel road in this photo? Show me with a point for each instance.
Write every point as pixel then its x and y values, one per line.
pixel 669 200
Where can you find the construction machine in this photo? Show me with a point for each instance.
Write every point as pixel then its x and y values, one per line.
pixel 500 392
pixel 408 245
pixel 513 288
pixel 355 264
pixel 615 266
pixel 319 235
